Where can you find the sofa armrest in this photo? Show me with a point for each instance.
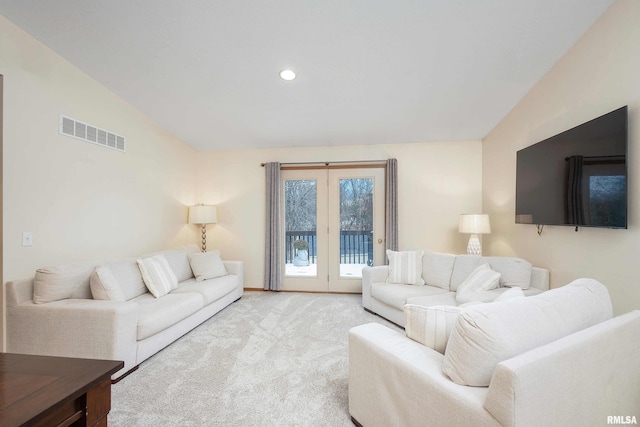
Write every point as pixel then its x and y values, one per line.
pixel 83 328
pixel 237 268
pixel 371 275
pixel 394 380
pixel 19 291
pixel 580 379
pixel 540 278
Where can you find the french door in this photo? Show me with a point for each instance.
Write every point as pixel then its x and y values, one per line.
pixel 334 226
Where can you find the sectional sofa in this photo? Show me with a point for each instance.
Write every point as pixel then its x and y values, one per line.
pixel 435 279
pixel 56 313
pixel 553 359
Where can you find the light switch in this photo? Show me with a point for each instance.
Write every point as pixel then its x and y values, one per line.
pixel 27 238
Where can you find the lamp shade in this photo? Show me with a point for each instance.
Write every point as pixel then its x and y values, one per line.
pixel 203 214
pixel 474 224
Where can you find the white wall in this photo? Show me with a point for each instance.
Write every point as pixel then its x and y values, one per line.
pixel 599 74
pixel 83 201
pixel 438 181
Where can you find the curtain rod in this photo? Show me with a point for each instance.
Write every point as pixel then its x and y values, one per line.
pixel 331 163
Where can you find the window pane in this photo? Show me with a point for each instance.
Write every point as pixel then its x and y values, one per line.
pixel 300 227
pixel 356 226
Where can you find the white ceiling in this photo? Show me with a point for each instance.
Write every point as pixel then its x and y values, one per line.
pixel 369 71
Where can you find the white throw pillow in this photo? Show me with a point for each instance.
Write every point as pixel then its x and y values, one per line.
pixel 483 278
pixel 157 275
pixel 431 326
pixel 207 265
pixel 61 282
pixel 405 267
pixel 104 285
pixel 487 334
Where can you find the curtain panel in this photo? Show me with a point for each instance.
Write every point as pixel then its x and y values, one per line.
pixel 272 262
pixel 391 198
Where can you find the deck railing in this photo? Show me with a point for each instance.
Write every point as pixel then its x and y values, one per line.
pixel 356 247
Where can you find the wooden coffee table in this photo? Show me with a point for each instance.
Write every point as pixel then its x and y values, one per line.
pixel 58 391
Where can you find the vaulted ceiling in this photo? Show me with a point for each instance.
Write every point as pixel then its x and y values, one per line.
pixel 368 71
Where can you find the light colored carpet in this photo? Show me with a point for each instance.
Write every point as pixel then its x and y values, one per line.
pixel 270 359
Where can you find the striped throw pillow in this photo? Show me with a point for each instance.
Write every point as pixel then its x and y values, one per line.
pixel 157 275
pixel 431 326
pixel 483 278
pixel 405 267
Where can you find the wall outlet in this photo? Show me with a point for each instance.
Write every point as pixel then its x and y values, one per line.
pixel 27 238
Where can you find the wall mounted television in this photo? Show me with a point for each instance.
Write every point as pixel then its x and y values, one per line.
pixel 576 178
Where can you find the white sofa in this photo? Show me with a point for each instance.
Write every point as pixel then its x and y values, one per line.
pixel 554 359
pixel 442 274
pixel 130 330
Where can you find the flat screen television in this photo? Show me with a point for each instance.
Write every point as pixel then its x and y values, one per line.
pixel 576 178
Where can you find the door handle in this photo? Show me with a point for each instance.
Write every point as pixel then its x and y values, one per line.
pixel 379 240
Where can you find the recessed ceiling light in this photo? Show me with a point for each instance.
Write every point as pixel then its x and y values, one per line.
pixel 287 75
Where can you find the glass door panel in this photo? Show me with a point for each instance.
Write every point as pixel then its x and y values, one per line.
pixel 300 201
pixel 356 234
pixel 304 206
pixel 356 225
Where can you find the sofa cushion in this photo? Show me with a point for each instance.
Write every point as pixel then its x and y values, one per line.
pixel 515 272
pixel 60 282
pixel 157 275
pixel 207 265
pixel 487 334
pixel 104 285
pixel 462 268
pixel 405 267
pixel 437 269
pixel 430 326
pixel 127 273
pixel 397 295
pixel 211 290
pixel 484 296
pixel 446 298
pixel 179 262
pixel 157 314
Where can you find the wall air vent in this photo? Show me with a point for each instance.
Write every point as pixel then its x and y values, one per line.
pixel 76 129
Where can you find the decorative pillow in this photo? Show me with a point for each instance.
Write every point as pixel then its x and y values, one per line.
pixel 105 286
pixel 61 282
pixel 431 326
pixel 483 278
pixel 405 267
pixel 207 265
pixel 157 275
pixel 487 334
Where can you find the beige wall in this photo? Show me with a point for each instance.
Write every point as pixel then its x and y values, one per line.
pixel 599 74
pixel 438 182
pixel 80 200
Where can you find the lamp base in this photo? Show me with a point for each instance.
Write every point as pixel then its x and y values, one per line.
pixel 474 247
pixel 204 237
